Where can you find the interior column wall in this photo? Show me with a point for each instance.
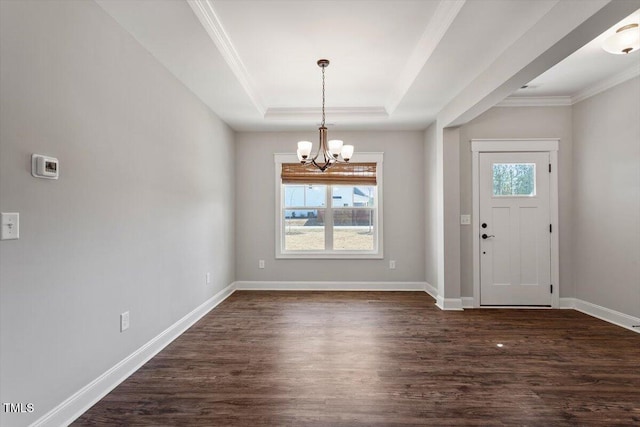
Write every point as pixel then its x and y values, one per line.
pixel 451 209
pixel 431 207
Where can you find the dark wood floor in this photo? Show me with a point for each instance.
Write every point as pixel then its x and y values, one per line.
pixel 382 358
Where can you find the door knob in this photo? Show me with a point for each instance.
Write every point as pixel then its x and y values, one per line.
pixel 484 236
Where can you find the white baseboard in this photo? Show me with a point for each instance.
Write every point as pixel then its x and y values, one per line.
pixel 468 302
pixel 431 290
pixel 567 303
pixel 443 303
pixel 69 410
pixel 617 318
pixel 329 286
pixel 455 304
pixel 450 304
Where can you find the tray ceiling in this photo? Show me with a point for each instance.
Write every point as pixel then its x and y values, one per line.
pixel 395 64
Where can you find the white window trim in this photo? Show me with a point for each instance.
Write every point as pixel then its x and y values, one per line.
pixel 279 159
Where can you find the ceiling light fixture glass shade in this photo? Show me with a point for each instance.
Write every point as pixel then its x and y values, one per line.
pixel 624 41
pixel 329 153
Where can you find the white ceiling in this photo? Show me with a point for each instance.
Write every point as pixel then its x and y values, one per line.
pixel 367 42
pixel 395 64
pixel 585 68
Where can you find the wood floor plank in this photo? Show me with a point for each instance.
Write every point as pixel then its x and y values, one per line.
pixel 382 359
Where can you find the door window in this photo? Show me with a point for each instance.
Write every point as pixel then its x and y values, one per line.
pixel 514 179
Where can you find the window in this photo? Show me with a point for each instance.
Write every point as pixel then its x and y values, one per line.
pixel 514 179
pixel 329 215
pixel 304 213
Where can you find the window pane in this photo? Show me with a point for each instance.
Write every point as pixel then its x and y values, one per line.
pixel 353 229
pixel 304 230
pixel 304 195
pixel 353 196
pixel 514 179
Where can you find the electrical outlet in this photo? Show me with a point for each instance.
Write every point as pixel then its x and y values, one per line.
pixel 261 263
pixel 208 278
pixel 465 219
pixel 124 321
pixel 392 264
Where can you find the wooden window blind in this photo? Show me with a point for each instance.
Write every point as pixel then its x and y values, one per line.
pixel 341 174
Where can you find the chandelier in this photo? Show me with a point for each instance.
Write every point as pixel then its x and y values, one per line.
pixel 329 153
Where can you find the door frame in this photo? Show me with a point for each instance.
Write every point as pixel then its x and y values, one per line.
pixel 547 145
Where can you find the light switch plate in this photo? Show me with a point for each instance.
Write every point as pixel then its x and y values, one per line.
pixel 124 321
pixel 465 219
pixel 10 226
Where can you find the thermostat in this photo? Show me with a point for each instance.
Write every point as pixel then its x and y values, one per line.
pixel 44 167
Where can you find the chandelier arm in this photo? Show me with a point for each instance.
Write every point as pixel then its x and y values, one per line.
pixel 314 158
pixel 322 167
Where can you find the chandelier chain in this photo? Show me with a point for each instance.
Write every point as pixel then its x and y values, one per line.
pixel 323 96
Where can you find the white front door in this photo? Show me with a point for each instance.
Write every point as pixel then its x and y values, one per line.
pixel 515 227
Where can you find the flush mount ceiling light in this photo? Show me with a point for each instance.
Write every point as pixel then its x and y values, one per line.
pixel 328 153
pixel 625 40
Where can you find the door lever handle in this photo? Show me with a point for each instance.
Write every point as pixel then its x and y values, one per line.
pixel 484 236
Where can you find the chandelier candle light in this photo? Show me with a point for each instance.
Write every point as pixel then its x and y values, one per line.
pixel 328 153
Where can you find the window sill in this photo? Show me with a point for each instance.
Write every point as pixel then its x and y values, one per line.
pixel 330 255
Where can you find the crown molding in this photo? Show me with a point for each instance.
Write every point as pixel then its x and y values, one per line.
pixel 209 19
pixel 334 112
pixel 607 83
pixel 438 25
pixel 561 101
pixel 535 101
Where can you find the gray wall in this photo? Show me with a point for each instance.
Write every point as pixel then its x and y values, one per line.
pixel 606 198
pixel 519 122
pixel 404 227
pixel 431 206
pixel 142 210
